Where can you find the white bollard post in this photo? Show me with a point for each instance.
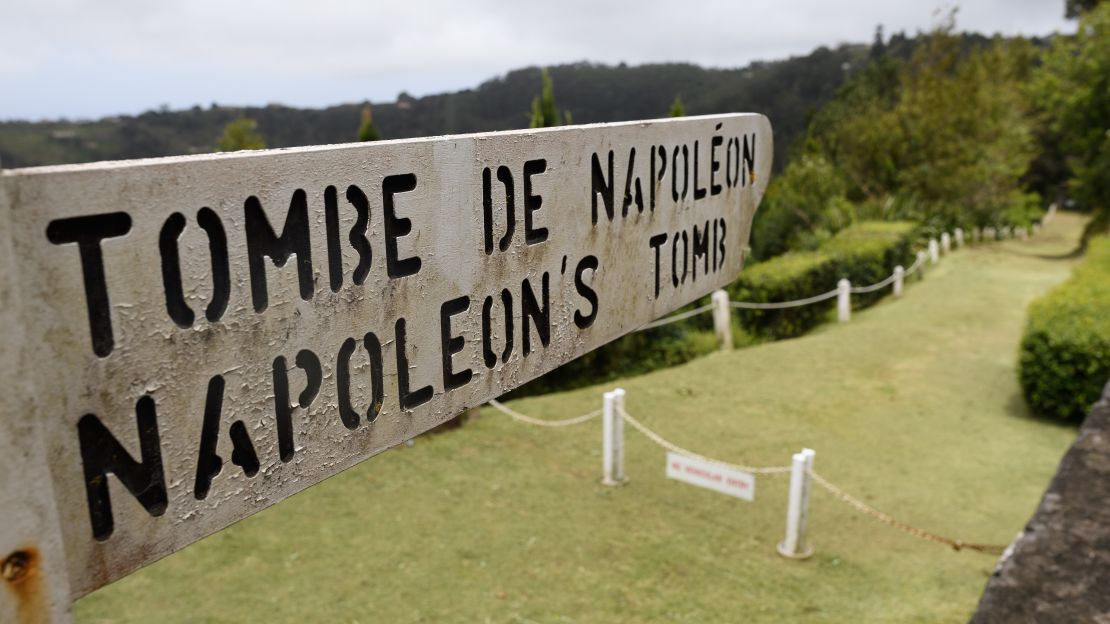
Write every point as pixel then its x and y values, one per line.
pixel 958 234
pixel 920 265
pixel 945 243
pixel 899 277
pixel 844 301
pixel 612 438
pixel 934 251
pixel 794 545
pixel 618 435
pixel 807 486
pixel 722 320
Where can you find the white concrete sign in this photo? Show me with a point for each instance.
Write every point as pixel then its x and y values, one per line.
pixel 187 341
pixel 710 476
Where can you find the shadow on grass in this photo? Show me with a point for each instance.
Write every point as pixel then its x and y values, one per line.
pixel 1018 408
pixel 1068 255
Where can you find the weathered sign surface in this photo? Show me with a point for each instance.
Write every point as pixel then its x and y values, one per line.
pixel 710 476
pixel 189 340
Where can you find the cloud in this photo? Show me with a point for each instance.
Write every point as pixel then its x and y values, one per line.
pixel 80 58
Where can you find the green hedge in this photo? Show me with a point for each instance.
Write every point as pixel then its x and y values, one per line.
pixel 633 354
pixel 793 275
pixel 865 253
pixel 1065 352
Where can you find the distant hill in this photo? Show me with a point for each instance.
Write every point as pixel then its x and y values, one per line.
pixel 787 91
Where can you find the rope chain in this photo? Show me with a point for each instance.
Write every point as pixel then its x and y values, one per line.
pixel 859 290
pixel 915 266
pixel 677 317
pixel 837 492
pixel 671 446
pixel 862 507
pixel 566 422
pixel 779 305
pixel 784 304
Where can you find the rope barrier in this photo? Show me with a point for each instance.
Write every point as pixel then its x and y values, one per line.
pixel 566 422
pixel 859 290
pixel 677 317
pixel 671 446
pixel 915 266
pixel 836 491
pixel 955 544
pixel 747 305
pixel 862 507
pixel 784 304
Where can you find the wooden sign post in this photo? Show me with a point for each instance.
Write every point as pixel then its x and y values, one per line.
pixel 187 341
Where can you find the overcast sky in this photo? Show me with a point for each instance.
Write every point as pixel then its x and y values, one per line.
pixel 82 59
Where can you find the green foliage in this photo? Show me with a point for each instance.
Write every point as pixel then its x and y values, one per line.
pixel 867 252
pixel 366 130
pixel 793 275
pixel 943 137
pixel 1024 210
pixel 1073 87
pixel 544 113
pixel 858 131
pixel 677 108
pixel 787 91
pixel 1064 352
pixel 240 134
pixel 1076 8
pixel 634 354
pixel 803 206
pixel 864 253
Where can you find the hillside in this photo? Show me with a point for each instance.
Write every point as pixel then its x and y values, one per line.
pixel 788 91
pixel 913 406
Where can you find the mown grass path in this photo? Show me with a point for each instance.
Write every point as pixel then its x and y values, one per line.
pixel 913 406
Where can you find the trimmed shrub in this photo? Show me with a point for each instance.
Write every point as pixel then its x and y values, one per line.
pixel 1065 352
pixel 794 275
pixel 865 253
pixel 633 354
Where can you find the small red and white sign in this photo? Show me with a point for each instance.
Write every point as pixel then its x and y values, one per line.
pixel 711 476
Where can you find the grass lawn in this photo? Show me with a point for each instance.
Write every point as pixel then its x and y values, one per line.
pixel 913 406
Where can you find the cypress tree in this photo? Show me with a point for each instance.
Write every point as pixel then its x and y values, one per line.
pixel 367 131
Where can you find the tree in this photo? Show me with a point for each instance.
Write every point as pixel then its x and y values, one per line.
pixel 544 113
pixel 878 48
pixel 677 109
pixel 803 205
pixel 367 131
pixel 944 137
pixel 240 134
pixel 1073 87
pixel 1076 8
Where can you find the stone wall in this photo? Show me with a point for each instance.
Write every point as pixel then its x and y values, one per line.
pixel 1058 569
